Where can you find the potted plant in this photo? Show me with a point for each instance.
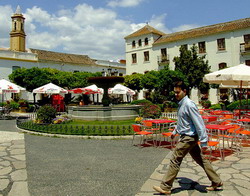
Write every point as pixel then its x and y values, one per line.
pixel 23 105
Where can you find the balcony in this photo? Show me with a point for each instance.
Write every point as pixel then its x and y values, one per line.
pixel 245 48
pixel 163 60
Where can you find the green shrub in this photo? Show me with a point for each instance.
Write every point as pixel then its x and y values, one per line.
pixel 23 103
pixel 170 104
pixel 14 105
pixel 215 106
pixel 150 111
pixel 236 104
pixel 46 114
pixel 141 102
pixel 206 103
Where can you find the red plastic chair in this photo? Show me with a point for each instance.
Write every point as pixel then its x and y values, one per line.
pixel 142 133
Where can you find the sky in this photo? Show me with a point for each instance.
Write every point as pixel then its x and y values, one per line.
pixel 97 27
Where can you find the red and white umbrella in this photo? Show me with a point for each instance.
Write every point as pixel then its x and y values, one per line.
pixel 50 88
pixel 92 89
pixel 9 87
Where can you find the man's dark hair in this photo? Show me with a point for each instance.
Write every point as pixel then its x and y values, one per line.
pixel 181 84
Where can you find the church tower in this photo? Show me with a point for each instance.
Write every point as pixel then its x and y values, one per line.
pixel 17 34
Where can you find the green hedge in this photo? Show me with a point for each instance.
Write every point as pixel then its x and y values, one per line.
pixel 94 130
pixel 236 105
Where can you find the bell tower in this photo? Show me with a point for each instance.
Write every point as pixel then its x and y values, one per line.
pixel 17 34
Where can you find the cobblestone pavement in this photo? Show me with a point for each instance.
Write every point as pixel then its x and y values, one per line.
pixel 192 180
pixel 13 174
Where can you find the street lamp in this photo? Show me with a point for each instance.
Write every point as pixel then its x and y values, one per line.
pixel 116 72
pixel 109 71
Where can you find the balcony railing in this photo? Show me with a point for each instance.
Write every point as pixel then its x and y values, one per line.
pixel 245 47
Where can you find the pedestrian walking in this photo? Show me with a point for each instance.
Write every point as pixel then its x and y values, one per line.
pixel 191 128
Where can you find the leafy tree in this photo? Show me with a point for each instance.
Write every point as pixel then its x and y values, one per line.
pixel 194 67
pixel 80 79
pixel 150 80
pixel 133 81
pixel 36 77
pixel 32 78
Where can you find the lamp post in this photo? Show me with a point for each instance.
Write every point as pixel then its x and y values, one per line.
pixel 116 72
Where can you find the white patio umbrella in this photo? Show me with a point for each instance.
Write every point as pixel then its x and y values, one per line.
pixel 235 76
pixel 50 88
pixel 9 87
pixel 120 89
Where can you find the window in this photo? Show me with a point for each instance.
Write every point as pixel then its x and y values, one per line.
pixel 247 42
pixel 133 44
pixel 146 56
pixel 15 68
pixel 221 45
pixel 164 55
pixel 222 66
pixel 139 42
pixel 202 47
pixel 247 39
pixel 247 62
pixel 146 41
pixel 134 60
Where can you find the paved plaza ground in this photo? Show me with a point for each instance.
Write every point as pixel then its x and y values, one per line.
pixel 44 166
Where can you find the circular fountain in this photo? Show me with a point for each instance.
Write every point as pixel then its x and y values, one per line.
pixel 106 111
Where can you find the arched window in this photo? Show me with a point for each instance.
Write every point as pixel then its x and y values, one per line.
pixel 222 66
pixel 146 41
pixel 133 44
pixel 139 42
pixel 15 26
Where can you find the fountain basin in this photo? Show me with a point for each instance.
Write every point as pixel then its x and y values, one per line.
pixel 104 113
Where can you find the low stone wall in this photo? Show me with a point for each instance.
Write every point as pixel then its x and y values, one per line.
pixel 104 113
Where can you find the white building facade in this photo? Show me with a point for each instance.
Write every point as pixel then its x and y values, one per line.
pixel 224 45
pixel 18 56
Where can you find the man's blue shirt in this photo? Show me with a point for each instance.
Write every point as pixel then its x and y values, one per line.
pixel 190 121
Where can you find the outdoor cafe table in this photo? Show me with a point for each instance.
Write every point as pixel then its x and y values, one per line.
pixel 210 118
pixel 245 121
pixel 160 123
pixel 223 129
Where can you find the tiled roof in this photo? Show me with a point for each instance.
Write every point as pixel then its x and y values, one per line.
pixel 206 30
pixel 144 31
pixel 63 57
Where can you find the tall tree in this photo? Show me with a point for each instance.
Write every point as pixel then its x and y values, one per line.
pixel 194 67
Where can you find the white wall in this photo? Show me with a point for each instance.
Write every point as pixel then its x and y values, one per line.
pixel 231 56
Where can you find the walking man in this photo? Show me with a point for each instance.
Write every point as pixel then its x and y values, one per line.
pixel 191 128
